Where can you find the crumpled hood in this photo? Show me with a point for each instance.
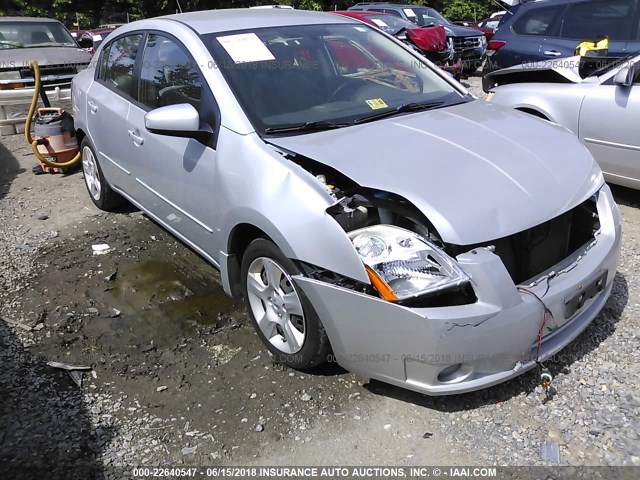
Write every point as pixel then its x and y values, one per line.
pixel 21 57
pixel 478 171
pixel 431 39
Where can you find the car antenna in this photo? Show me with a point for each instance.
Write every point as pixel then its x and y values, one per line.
pixel 179 6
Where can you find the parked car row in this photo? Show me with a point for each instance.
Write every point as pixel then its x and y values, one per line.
pixel 467 43
pixel 432 42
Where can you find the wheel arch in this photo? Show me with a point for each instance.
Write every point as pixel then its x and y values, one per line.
pixel 535 112
pixel 239 238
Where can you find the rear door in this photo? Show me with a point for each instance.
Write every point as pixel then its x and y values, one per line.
pixel 108 100
pixel 617 19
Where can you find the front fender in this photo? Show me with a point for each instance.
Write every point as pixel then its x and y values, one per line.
pixel 267 191
pixel 553 101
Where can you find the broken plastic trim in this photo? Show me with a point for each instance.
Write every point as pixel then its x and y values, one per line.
pixel 575 259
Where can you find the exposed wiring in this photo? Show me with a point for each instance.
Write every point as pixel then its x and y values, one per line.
pixel 547 314
pixel 543 373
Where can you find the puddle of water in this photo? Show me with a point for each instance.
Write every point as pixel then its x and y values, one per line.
pixel 160 301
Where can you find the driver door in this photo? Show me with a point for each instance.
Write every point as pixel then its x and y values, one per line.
pixel 176 175
pixel 609 125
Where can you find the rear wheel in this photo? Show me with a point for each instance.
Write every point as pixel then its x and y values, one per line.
pixel 99 190
pixel 283 317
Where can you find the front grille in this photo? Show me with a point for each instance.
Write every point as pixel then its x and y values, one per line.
pixel 529 253
pixel 460 44
pixel 49 70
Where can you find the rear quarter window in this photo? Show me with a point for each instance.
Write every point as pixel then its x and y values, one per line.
pixel 537 21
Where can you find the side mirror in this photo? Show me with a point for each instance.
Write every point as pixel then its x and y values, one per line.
pixel 181 120
pixel 85 42
pixel 624 77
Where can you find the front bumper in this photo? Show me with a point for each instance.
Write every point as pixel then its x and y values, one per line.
pixel 470 54
pixel 14 105
pixel 449 350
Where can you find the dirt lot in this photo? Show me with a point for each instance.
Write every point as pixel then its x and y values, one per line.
pixel 179 378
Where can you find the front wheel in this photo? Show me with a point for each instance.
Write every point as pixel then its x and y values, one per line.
pixel 283 317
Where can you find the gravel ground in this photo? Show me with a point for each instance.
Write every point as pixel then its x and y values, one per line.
pixel 179 378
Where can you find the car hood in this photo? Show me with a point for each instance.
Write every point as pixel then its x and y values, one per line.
pixel 20 57
pixel 478 171
pixel 459 31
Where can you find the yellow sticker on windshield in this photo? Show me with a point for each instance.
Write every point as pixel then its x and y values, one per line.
pixel 376 103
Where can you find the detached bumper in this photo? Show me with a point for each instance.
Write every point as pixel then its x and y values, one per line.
pixel 449 350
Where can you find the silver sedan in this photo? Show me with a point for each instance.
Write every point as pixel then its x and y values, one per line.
pixel 602 107
pixel 364 205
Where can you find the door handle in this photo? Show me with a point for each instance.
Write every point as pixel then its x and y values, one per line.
pixel 137 139
pixel 552 53
pixel 92 106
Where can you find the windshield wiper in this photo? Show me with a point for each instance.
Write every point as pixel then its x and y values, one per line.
pixel 404 108
pixel 9 44
pixel 306 127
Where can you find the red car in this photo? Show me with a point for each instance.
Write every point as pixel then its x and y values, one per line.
pixel 432 42
pixel 488 26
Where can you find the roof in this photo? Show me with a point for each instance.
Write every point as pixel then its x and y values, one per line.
pixel 210 21
pixel 27 19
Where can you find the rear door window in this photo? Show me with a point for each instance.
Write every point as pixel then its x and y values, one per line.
pixel 588 20
pixel 118 61
pixel 537 21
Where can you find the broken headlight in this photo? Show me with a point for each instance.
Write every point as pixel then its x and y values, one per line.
pixel 402 264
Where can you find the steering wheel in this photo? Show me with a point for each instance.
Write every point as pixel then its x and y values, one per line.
pixel 351 87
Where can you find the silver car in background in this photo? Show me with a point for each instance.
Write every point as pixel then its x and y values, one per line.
pixel 602 108
pixel 357 198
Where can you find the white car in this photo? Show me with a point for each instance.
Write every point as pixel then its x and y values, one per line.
pixel 602 107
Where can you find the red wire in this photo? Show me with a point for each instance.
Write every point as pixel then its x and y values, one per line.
pixel 545 312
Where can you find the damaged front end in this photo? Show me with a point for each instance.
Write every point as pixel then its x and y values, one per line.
pixel 441 318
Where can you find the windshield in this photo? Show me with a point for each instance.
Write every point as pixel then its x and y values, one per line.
pixel 390 24
pixel 34 34
pixel 425 17
pixel 608 63
pixel 334 74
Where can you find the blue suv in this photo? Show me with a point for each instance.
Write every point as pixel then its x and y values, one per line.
pixel 547 29
pixel 468 43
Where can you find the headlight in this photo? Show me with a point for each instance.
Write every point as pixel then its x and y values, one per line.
pixel 11 75
pixel 402 264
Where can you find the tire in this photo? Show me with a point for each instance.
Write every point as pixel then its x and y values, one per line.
pixel 99 190
pixel 298 339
